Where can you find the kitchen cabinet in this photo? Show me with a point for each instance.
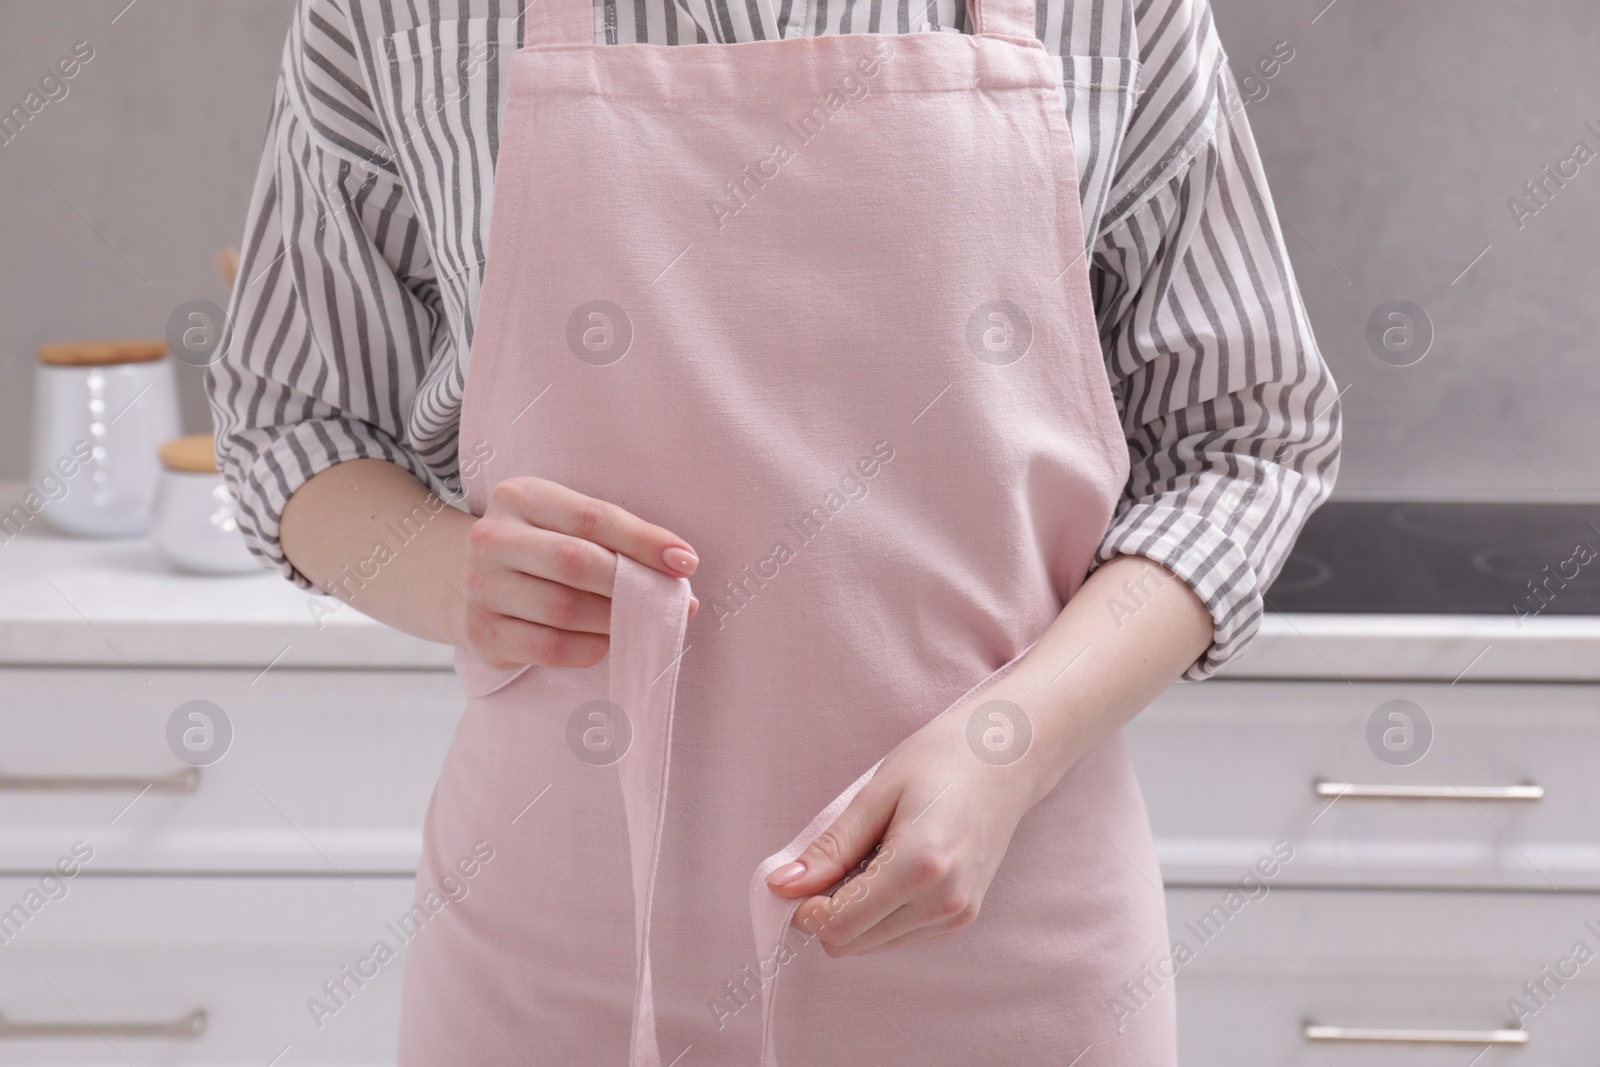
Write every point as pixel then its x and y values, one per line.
pixel 216 971
pixel 218 904
pixel 1434 903
pixel 1312 976
pixel 327 771
pixel 1505 796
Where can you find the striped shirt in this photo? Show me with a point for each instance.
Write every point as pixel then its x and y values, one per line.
pixel 364 249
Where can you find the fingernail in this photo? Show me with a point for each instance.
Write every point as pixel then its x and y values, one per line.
pixel 694 604
pixel 786 874
pixel 680 559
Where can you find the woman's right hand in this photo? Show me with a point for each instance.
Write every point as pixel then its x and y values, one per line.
pixel 541 563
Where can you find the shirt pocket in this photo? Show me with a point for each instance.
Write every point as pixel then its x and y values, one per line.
pixel 440 89
pixel 1098 94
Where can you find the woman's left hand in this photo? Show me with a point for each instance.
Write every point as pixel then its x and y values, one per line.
pixel 943 810
pixel 940 819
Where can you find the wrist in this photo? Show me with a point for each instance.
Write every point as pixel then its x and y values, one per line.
pixel 453 609
pixel 1067 712
pixel 1023 731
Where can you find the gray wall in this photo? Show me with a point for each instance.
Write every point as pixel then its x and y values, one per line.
pixel 1393 139
pixel 156 142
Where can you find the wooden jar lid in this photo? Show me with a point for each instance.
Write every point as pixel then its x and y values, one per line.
pixel 194 454
pixel 101 353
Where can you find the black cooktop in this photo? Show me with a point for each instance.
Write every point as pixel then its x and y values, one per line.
pixel 1445 558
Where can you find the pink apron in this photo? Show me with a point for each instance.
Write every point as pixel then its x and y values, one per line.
pixel 819 306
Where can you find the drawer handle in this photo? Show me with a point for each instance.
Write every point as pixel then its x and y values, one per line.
pixel 189 1026
pixel 1313 1032
pixel 1431 792
pixel 184 781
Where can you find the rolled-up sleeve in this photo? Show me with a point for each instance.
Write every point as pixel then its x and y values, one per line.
pixel 1231 416
pixel 332 319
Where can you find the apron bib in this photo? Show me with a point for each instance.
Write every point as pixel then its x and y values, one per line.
pixel 821 307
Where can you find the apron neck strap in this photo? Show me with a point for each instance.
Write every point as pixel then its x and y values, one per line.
pixel 573 21
pixel 1006 18
pixel 559 22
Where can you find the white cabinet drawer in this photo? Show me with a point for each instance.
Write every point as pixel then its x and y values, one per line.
pixel 1228 768
pixel 327 771
pixel 1390 961
pixel 248 952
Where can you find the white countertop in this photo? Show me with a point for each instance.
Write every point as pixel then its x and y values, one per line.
pixel 1449 648
pixel 66 601
pixel 114 602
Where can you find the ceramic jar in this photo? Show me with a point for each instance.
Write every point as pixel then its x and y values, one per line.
pixel 101 409
pixel 196 523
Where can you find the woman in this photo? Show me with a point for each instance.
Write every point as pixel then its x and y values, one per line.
pixel 881 388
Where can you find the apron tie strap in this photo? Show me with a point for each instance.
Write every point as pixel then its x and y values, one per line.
pixel 649 618
pixel 649 613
